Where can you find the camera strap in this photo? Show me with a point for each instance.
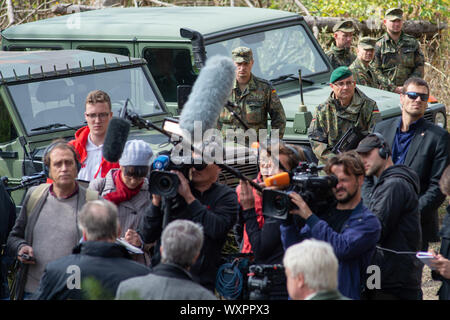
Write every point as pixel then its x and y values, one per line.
pixel 396 252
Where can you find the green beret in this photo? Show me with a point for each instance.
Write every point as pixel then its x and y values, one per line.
pixel 394 14
pixel 367 43
pixel 339 73
pixel 345 26
pixel 242 54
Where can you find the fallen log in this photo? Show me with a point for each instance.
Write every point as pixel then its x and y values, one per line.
pixel 415 28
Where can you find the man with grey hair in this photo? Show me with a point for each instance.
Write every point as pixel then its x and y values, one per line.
pixel 97 262
pixel 312 271
pixel 181 243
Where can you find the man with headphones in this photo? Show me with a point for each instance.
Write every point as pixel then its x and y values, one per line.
pixel 391 192
pixel 46 228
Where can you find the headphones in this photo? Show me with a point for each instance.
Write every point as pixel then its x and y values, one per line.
pixel 49 149
pixel 384 151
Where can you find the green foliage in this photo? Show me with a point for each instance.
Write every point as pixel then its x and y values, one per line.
pixel 94 290
pixel 430 10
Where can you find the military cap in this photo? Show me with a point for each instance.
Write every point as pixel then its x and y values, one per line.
pixel 242 54
pixel 339 73
pixel 394 14
pixel 367 43
pixel 345 26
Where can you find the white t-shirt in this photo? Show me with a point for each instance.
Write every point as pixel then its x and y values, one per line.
pixel 92 162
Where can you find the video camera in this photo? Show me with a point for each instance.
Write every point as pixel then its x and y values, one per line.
pixel 164 182
pixel 263 278
pixel 315 190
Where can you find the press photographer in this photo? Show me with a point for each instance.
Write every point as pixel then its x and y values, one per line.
pixel 212 205
pixel 350 228
pixel 261 234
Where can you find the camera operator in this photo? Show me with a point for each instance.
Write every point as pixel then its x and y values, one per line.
pixel 350 228
pixel 214 206
pixel 261 235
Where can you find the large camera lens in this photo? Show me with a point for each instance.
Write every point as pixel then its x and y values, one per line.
pixel 164 183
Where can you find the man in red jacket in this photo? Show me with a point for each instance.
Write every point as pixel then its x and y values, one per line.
pixel 89 139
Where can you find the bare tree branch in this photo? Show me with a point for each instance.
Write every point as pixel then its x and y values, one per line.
pixel 10 12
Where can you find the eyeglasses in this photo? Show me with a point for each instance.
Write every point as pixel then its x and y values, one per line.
pixel 101 116
pixel 414 95
pixel 343 84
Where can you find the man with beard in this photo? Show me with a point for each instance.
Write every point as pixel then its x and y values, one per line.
pixel 393 198
pixel 350 228
pixel 422 146
pixel 397 55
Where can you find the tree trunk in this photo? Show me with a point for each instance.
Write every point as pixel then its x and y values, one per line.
pixel 10 12
pixel 415 28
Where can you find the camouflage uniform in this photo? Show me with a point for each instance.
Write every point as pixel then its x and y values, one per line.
pixel 332 121
pixel 399 61
pixel 258 99
pixel 367 76
pixel 340 57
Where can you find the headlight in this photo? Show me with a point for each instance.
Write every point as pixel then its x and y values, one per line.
pixel 439 119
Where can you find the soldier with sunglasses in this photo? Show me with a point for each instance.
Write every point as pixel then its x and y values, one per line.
pixel 424 147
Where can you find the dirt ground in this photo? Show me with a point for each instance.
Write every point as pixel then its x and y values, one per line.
pixel 429 286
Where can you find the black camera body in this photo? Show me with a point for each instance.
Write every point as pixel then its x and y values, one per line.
pixel 262 279
pixel 315 190
pixel 164 182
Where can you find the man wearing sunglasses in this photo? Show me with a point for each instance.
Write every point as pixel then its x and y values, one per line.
pixel 424 147
pixel 89 139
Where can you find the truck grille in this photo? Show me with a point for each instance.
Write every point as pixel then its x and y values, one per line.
pixel 248 170
pixel 429 116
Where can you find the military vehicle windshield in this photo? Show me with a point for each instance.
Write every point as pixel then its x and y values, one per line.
pixel 278 53
pixel 62 100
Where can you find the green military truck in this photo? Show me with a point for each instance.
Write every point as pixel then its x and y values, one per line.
pixel 281 41
pixel 42 97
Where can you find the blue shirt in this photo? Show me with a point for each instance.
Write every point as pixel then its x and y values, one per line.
pixel 402 141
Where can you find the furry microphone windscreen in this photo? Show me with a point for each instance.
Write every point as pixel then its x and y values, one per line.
pixel 116 137
pixel 209 94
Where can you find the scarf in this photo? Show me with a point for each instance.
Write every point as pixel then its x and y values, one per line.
pixel 122 192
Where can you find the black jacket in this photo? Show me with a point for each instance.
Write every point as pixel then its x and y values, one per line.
pixel 216 210
pixel 444 290
pixel 394 200
pixel 107 263
pixel 428 156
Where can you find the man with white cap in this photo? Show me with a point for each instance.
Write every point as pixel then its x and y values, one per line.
pixel 128 188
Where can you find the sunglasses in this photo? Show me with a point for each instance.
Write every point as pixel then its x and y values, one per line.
pixel 414 95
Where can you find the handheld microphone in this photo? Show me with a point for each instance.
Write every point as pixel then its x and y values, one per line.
pixel 280 180
pixel 116 137
pixel 209 94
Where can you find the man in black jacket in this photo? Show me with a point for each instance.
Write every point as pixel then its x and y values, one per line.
pixel 422 146
pixel 98 263
pixel 393 198
pixel 214 206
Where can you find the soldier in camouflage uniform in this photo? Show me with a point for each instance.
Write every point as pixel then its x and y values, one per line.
pixel 363 73
pixel 346 107
pixel 255 98
pixel 340 53
pixel 397 55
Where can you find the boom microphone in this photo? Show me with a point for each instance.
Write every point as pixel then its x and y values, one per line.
pixel 209 94
pixel 116 137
